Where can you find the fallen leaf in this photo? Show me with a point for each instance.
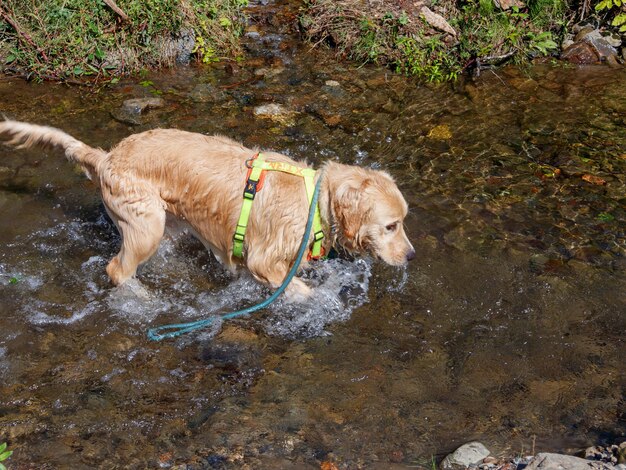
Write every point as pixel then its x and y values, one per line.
pixel 437 21
pixel 328 465
pixel 166 457
pixel 594 179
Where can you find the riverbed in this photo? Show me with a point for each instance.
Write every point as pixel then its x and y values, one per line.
pixel 507 328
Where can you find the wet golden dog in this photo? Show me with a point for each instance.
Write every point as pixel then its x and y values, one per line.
pixel 199 180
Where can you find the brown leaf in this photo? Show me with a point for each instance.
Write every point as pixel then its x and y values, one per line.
pixel 437 21
pixel 594 179
pixel 166 457
pixel 328 465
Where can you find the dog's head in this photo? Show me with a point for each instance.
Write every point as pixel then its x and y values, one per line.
pixel 368 211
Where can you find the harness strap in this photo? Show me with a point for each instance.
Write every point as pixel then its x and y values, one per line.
pixel 257 167
pixel 253 185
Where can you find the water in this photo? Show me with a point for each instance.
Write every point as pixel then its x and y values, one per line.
pixel 508 325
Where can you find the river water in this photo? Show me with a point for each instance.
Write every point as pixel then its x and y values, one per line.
pixel 508 327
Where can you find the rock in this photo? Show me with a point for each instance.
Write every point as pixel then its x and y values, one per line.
pixel 177 49
pixel 580 53
pixel 548 461
pixel 602 44
pixel 131 110
pixel 468 454
pixel 139 105
pixel 205 92
pixel 275 112
pixel 331 83
pixel 621 453
pixel 591 47
pixel 581 31
pixel 440 132
pixel 269 72
pixel 508 4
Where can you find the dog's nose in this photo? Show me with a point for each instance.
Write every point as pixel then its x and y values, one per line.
pixel 410 255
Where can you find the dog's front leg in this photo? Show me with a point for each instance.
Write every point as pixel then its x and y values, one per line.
pixel 273 274
pixel 298 291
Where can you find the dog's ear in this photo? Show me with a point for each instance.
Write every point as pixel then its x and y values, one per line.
pixel 350 210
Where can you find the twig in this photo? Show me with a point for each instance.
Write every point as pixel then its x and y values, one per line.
pixel 234 85
pixel 24 34
pixel 584 9
pixel 116 9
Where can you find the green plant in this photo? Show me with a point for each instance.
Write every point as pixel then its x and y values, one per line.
pixel 619 7
pixel 474 32
pixel 542 42
pixel 4 454
pixel 75 38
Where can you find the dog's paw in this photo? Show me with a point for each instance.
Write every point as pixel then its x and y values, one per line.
pixel 136 288
pixel 298 291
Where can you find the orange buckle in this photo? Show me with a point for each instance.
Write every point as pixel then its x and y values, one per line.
pixel 310 257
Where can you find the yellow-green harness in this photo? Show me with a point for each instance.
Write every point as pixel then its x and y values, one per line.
pixel 256 166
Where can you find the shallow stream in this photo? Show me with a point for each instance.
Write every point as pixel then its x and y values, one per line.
pixel 508 328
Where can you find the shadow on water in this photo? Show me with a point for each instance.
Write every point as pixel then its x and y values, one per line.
pixel 508 325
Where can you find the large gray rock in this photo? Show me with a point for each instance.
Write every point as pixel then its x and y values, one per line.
pixel 547 461
pixel 468 454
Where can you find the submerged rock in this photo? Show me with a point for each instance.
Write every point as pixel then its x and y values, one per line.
pixel 205 93
pixel 275 112
pixel 131 110
pixel 466 455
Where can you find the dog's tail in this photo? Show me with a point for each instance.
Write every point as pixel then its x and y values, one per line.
pixel 24 135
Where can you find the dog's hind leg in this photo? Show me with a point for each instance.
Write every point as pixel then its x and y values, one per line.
pixel 141 226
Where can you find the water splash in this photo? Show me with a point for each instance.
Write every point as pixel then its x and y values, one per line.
pixel 166 286
pixel 339 286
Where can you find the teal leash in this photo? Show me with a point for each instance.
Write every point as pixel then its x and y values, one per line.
pixel 177 329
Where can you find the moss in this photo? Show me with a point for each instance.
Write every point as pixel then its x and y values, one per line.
pixel 63 38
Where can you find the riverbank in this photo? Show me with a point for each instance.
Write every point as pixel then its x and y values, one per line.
pixel 59 40
pixel 436 41
pixel 439 40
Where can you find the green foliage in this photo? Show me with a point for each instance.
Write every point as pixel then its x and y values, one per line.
pixel 606 217
pixel 618 8
pixel 620 20
pixel 62 38
pixel 384 33
pixel 523 33
pixel 4 454
pixel 429 59
pixel 608 4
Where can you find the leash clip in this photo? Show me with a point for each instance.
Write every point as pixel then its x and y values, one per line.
pixel 250 161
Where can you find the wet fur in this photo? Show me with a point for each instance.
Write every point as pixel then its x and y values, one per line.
pixel 199 180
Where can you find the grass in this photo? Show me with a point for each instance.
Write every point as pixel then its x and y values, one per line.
pixel 57 39
pixel 461 34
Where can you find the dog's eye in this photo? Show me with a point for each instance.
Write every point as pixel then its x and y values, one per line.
pixel 392 227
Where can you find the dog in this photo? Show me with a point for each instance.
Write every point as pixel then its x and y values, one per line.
pixel 199 180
